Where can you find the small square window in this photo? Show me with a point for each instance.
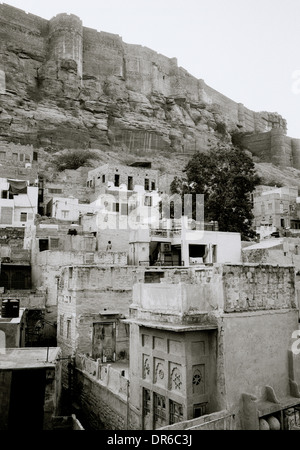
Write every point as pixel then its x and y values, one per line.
pixel 54 243
pixel 23 217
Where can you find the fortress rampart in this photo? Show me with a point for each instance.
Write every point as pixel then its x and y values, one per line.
pixel 95 54
pixel 90 64
pixel 275 147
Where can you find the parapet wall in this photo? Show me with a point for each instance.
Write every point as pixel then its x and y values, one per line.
pixel 229 288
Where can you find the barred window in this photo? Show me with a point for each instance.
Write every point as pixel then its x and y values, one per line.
pixel 176 412
pixel 159 408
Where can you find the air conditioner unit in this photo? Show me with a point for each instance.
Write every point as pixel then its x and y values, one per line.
pixel 165 247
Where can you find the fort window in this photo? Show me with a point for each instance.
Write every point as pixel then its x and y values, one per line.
pixel 103 178
pixel 4 194
pixel 153 186
pixel 15 157
pixel 130 183
pixel 146 184
pixel 21 157
pixel 23 217
pixel 117 180
pixel 35 156
pixel 2 156
pixel 282 223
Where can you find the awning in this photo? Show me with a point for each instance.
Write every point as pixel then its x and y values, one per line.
pixel 17 187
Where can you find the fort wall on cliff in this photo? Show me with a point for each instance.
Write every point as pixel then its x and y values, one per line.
pixel 68 85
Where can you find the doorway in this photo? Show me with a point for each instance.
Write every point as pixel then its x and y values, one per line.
pixel 104 341
pixel 27 394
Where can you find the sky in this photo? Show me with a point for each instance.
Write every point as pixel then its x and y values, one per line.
pixel 249 50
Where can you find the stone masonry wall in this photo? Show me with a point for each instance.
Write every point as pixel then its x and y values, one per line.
pixel 100 408
pixel 273 146
pixel 258 287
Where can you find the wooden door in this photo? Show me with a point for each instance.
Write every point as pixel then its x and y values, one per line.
pixel 104 341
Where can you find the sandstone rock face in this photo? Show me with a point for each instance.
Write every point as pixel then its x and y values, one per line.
pixel 63 85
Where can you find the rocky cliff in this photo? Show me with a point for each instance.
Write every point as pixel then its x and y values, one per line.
pixel 63 85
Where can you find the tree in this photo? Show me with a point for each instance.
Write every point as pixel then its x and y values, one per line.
pixel 226 176
pixel 73 159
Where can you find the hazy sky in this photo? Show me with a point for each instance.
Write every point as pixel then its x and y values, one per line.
pixel 247 50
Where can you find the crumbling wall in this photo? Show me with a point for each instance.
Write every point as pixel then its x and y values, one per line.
pixel 258 287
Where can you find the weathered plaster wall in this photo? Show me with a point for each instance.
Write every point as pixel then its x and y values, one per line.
pixel 101 407
pixel 259 287
pixel 256 353
pixel 230 287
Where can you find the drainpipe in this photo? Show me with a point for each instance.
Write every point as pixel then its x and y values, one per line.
pixel 128 409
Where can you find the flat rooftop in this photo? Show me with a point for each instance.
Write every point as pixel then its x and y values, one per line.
pixel 28 357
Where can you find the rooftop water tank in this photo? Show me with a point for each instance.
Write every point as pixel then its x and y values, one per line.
pixel 10 307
